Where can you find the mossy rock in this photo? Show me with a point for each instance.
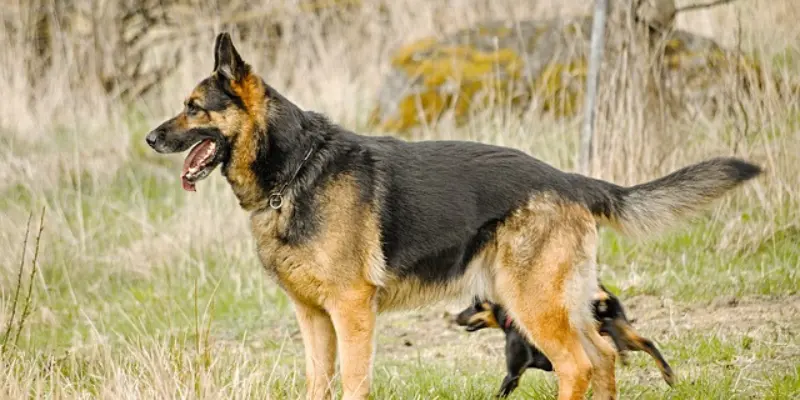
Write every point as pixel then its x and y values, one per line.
pixel 431 76
pixel 515 63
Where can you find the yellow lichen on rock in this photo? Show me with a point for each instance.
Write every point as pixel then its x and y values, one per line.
pixel 406 53
pixel 439 76
pixel 539 61
pixel 472 68
pixel 463 64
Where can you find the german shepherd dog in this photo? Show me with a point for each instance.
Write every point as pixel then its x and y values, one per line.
pixel 522 355
pixel 352 225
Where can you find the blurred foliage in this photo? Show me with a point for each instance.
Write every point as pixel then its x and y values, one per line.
pixel 503 63
pixel 128 46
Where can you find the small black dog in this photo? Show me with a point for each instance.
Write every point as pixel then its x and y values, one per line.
pixel 521 354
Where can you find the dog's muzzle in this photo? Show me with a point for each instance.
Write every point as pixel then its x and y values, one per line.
pixel 157 140
pixel 152 139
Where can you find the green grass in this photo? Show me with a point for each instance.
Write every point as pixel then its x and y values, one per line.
pixel 687 264
pixel 202 320
pixel 101 320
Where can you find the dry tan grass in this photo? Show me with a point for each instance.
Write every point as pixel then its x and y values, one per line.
pixel 117 218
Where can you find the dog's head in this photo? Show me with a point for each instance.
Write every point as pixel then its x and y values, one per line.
pixel 221 109
pixel 479 315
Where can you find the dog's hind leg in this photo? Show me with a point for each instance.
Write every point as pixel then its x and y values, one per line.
pixel 319 342
pixel 535 261
pixel 546 321
pixel 546 278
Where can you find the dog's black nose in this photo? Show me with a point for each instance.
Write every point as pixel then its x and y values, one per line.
pixel 151 139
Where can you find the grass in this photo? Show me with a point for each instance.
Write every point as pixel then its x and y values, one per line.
pixel 142 290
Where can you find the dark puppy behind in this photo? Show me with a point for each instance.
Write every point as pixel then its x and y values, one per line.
pixel 522 355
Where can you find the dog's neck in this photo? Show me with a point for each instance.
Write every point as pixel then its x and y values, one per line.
pixel 278 151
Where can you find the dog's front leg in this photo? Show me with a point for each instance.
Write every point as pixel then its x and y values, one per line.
pixel 353 317
pixel 319 342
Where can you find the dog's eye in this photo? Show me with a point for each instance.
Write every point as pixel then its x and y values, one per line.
pixel 192 109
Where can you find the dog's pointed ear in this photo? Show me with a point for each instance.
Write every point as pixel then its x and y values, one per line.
pixel 227 61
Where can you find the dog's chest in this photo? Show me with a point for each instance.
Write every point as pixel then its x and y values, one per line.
pixel 300 269
pixel 342 250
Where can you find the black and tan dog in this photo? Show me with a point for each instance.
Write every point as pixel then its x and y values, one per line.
pixel 352 225
pixel 522 355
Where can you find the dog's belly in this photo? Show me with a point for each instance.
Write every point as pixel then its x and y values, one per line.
pixel 414 291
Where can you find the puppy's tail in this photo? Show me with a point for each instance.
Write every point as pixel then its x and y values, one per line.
pixel 656 205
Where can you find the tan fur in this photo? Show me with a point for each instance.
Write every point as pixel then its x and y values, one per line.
pixel 341 254
pixel 251 90
pixel 240 174
pixel 485 315
pixel 633 341
pixel 354 313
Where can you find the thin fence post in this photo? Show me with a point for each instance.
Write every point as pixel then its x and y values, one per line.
pixel 590 101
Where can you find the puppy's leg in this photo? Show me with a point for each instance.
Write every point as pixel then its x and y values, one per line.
pixel 353 315
pixel 634 341
pixel 510 382
pixel 319 343
pixel 518 358
pixel 607 327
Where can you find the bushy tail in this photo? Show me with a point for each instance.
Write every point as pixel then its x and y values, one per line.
pixel 656 205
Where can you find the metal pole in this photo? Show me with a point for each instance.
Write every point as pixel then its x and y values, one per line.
pixel 595 59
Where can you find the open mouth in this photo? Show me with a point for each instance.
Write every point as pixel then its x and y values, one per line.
pixel 199 163
pixel 476 326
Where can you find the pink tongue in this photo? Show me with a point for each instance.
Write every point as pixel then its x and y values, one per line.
pixel 187 186
pixel 192 160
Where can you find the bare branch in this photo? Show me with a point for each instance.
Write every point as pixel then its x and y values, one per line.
pixel 26 310
pixel 19 283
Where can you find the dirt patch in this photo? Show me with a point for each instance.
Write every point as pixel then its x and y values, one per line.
pixel 754 315
pixel 432 333
pixel 769 324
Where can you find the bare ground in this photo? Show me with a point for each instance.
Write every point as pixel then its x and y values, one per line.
pixel 432 331
pixel 760 335
pixel 430 335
